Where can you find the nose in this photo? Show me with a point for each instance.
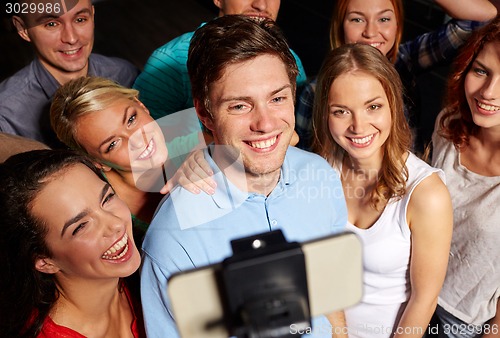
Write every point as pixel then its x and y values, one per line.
pixel 69 34
pixel 260 5
pixel 262 120
pixel 370 29
pixel 138 139
pixel 491 88
pixel 111 223
pixel 357 124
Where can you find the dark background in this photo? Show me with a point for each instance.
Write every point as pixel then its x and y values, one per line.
pixel 132 29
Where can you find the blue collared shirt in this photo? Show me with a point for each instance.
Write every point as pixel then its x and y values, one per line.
pixel 25 97
pixel 191 231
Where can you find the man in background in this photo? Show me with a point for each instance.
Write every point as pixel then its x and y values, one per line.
pixel 62 35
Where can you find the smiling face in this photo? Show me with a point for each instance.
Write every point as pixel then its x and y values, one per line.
pixel 372 23
pixel 90 231
pixel 123 136
pixel 482 87
pixel 253 8
pixel 252 105
pixel 359 116
pixel 62 43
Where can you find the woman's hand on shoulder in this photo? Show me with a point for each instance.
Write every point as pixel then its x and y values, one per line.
pixel 194 175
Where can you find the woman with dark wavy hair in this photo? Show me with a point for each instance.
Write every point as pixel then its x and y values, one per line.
pixel 467 147
pixel 67 247
pixel 396 203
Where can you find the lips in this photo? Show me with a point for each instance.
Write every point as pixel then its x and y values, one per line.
pixel 264 144
pixel 117 250
pixel 148 151
pixel 362 141
pixel 374 44
pixel 487 107
pixel 71 52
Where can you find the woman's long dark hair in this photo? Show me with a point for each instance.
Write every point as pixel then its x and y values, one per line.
pixel 27 295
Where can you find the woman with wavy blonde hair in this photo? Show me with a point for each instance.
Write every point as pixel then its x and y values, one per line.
pixel 397 204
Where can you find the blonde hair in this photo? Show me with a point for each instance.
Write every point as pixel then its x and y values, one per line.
pixel 80 97
pixel 352 58
pixel 337 33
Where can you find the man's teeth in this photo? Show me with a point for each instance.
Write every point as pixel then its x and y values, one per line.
pixel 362 140
pixel 147 151
pixel 70 52
pixel 263 144
pixel 122 244
pixel 488 107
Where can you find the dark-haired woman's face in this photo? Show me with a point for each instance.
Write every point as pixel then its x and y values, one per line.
pixel 482 87
pixel 89 227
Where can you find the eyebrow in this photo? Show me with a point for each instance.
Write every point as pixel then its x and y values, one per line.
pixel 379 13
pixel 85 212
pixel 47 17
pixel 481 64
pixel 125 115
pixel 246 98
pixel 343 106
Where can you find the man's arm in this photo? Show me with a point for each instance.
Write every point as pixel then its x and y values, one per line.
pixel 163 84
pixel 158 319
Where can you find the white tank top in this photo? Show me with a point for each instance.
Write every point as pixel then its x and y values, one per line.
pixel 386 259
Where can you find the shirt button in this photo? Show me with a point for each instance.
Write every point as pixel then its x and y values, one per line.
pixel 274 222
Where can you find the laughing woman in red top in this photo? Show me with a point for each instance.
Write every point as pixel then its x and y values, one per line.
pixel 67 247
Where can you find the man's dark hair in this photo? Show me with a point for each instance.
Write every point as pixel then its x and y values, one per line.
pixel 233 39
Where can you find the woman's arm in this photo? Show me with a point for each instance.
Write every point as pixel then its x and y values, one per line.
pixel 475 10
pixel 339 327
pixel 430 216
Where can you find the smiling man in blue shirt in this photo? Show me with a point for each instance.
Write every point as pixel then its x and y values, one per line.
pixel 243 77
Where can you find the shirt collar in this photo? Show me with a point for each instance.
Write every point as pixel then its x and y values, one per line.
pixel 48 82
pixel 227 195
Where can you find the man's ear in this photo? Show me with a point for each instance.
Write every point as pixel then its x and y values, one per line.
pixel 46 265
pixel 21 27
pixel 218 3
pixel 204 116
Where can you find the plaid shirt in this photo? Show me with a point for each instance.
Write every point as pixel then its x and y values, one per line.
pixel 415 57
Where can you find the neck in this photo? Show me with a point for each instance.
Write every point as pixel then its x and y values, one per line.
pixel 489 139
pixel 141 202
pixel 100 297
pixel 262 184
pixel 64 77
pixel 366 169
pixel 235 171
pixel 101 310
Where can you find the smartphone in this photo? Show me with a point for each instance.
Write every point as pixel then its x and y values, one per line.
pixel 334 272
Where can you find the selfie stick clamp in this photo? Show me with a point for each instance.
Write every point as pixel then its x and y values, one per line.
pixel 265 287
